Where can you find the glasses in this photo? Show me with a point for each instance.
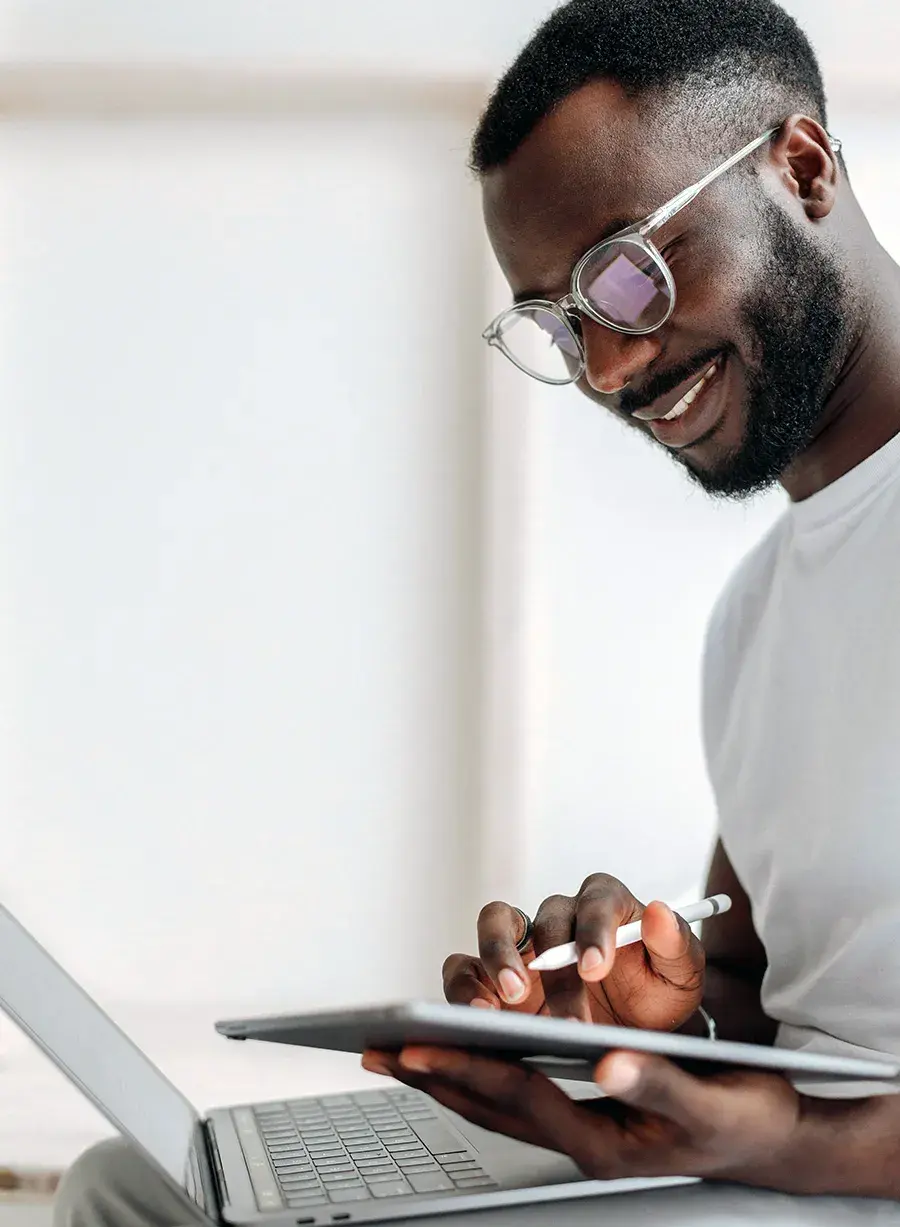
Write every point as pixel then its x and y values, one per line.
pixel 622 282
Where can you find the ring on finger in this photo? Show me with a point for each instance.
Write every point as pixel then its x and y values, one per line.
pixel 525 940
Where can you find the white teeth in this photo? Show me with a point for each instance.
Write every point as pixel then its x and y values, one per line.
pixel 689 397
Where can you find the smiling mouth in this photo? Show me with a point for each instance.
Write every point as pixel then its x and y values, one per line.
pixel 694 416
pixel 691 395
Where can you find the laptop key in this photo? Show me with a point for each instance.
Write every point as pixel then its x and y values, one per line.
pixel 358 1193
pixel 429 1182
pixel 390 1190
pixel 437 1137
pixel 474 1182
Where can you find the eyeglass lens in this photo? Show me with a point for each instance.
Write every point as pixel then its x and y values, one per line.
pixel 625 285
pixel 539 342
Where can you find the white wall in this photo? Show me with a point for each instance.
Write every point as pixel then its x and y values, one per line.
pixel 857 43
pixel 240 548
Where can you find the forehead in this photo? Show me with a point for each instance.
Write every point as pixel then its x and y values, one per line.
pixel 588 164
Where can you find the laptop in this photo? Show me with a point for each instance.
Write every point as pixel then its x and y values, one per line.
pixel 366 1157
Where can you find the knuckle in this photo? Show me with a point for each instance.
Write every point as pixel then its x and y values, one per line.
pixel 603 888
pixel 602 882
pixel 491 913
pixel 455 965
pixel 557 903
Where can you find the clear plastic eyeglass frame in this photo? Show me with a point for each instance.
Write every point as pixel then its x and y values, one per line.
pixel 568 308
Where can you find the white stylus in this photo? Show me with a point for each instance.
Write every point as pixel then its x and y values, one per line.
pixel 627 935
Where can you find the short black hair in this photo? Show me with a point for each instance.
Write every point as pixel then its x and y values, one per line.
pixel 740 64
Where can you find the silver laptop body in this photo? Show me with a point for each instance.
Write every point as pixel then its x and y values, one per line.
pixel 363 1157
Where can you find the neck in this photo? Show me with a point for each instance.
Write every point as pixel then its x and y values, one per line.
pixel 862 412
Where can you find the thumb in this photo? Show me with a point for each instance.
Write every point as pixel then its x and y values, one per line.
pixel 654 1084
pixel 675 953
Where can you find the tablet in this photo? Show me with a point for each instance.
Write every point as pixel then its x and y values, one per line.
pixel 559 1047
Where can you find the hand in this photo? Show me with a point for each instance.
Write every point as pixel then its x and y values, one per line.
pixel 655 984
pixel 659 1121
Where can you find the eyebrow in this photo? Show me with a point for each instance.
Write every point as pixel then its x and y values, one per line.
pixel 617 224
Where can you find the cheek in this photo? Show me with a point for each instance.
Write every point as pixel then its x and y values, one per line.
pixel 713 281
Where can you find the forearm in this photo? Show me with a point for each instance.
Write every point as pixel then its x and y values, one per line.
pixel 840 1148
pixel 733 1000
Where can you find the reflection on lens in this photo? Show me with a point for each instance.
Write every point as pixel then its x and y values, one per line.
pixel 625 285
pixel 541 343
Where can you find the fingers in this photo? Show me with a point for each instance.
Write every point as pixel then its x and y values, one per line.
pixel 466 983
pixel 563 991
pixel 499 928
pixel 655 1085
pixel 452 1095
pixel 523 1102
pixel 674 953
pixel 499 978
pixel 519 1096
pixel 604 903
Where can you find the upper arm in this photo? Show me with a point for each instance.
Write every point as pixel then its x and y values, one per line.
pixel 729 939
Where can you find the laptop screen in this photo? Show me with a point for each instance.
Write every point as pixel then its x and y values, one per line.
pixel 94 1054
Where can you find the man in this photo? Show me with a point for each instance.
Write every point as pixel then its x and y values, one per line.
pixel 750 330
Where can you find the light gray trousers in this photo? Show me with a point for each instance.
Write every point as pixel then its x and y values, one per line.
pixel 112 1186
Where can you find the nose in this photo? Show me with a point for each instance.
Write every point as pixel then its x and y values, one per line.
pixel 613 359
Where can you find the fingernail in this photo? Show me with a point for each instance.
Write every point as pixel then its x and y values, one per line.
pixel 375 1065
pixel 512 986
pixel 591 959
pixel 619 1077
pixel 416 1062
pixel 673 919
pixel 481 1004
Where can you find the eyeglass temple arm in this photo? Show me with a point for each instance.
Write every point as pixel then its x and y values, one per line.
pixel 667 211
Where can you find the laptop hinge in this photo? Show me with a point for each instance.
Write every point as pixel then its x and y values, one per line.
pixel 208 1171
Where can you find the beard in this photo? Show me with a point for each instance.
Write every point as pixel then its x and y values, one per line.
pixel 798 324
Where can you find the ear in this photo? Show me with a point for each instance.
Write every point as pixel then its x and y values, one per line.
pixel 807 164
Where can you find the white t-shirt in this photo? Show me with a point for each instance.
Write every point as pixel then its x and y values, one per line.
pixel 801 716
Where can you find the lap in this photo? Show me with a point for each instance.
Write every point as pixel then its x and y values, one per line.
pixel 112 1185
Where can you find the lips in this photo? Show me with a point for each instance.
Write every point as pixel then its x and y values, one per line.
pixel 666 404
pixel 699 409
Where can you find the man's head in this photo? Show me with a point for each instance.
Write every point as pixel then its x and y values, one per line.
pixel 612 109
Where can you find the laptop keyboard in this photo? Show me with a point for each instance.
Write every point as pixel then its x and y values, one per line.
pixel 351 1148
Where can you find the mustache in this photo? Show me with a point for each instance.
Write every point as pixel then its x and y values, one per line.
pixel 659 385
